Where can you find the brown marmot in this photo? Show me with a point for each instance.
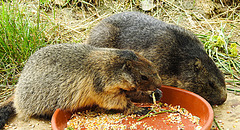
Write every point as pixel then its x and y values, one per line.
pixel 177 53
pixel 73 76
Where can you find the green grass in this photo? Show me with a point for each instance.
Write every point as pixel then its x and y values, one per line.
pixel 22 33
pixel 224 53
pixel 20 36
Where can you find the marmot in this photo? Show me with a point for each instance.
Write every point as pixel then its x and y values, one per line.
pixel 73 76
pixel 177 53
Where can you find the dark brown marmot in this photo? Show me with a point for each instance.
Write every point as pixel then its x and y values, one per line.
pixel 73 76
pixel 179 56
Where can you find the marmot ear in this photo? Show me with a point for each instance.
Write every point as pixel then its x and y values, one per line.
pixel 127 65
pixel 127 55
pixel 197 65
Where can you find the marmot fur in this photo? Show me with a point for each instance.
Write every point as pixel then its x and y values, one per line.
pixel 73 76
pixel 178 55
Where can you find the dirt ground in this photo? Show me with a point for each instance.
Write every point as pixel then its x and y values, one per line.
pixel 227 116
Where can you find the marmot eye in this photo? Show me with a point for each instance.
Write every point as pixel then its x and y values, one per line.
pixel 144 77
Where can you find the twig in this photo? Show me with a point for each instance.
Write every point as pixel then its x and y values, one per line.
pixel 149 115
pixel 217 124
pixel 154 99
pixel 229 89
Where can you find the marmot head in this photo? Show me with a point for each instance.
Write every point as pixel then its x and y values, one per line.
pixel 124 70
pixel 201 76
pixel 142 72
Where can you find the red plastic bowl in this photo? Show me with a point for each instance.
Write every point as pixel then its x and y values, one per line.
pixel 194 103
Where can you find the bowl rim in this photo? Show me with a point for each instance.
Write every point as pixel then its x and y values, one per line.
pixel 209 121
pixel 206 126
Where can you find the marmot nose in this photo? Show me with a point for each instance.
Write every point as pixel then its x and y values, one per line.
pixel 218 101
pixel 222 100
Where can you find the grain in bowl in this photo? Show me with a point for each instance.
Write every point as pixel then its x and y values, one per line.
pixel 160 116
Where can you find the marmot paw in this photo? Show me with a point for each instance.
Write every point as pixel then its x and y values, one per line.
pixel 157 93
pixel 142 111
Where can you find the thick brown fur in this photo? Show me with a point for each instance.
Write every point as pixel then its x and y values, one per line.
pixel 178 55
pixel 74 76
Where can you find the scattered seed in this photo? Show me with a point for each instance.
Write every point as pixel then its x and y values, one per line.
pixel 98 119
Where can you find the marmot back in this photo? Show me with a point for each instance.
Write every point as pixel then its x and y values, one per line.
pixel 179 56
pixel 74 76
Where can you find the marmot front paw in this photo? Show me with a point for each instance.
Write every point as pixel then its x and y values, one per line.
pixel 142 111
pixel 157 94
